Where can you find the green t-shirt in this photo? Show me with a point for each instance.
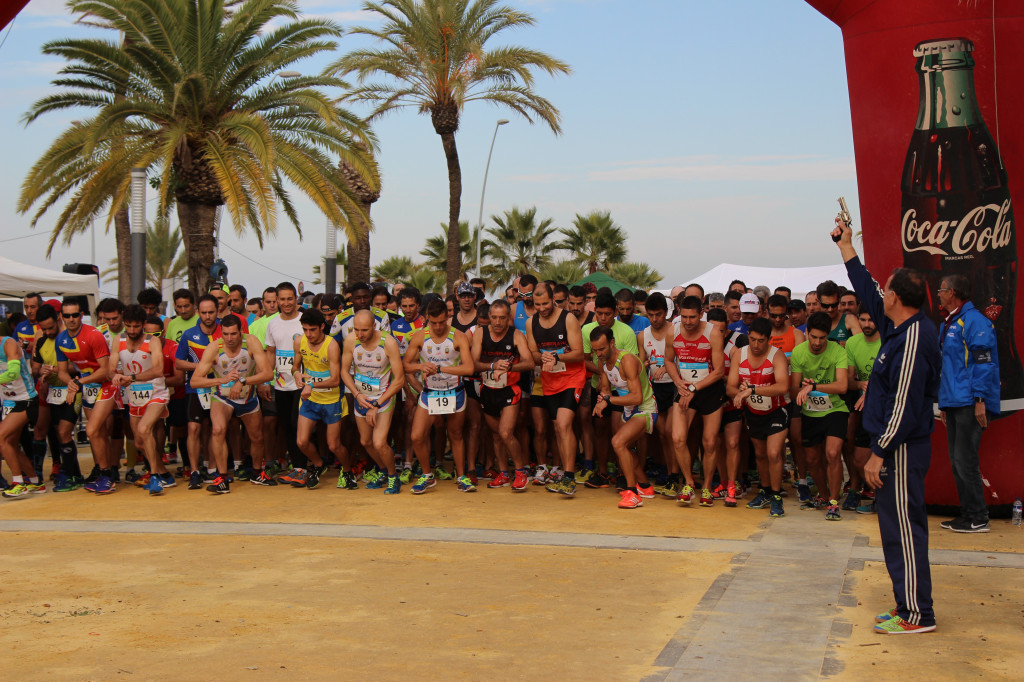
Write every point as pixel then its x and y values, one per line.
pixel 259 327
pixel 625 340
pixel 862 354
pixel 178 325
pixel 820 368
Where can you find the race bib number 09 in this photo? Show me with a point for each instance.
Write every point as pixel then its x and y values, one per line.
pixel 90 393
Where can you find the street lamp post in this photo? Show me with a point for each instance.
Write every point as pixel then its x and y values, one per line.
pixel 480 216
pixel 331 259
pixel 138 231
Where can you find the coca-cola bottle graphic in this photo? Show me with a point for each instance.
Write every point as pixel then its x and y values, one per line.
pixel 956 210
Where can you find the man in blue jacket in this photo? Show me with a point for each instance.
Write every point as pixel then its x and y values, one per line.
pixel 902 389
pixel 968 393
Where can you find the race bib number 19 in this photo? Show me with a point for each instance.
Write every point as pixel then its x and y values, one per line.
pixel 441 402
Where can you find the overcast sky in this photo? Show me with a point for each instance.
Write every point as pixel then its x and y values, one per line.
pixel 713 132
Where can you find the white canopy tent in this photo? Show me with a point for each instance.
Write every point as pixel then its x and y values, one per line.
pixel 18 279
pixel 800 280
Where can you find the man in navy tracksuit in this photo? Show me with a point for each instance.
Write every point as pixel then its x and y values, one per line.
pixel 902 389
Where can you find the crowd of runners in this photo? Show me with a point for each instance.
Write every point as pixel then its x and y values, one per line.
pixel 700 398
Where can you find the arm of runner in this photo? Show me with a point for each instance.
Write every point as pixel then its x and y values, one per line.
pixel 630 367
pixel 782 378
pixel 463 369
pixel 575 338
pixel 301 380
pixel 840 385
pixel 201 378
pixel 412 353
pixel 717 361
pixel 525 363
pixel 604 391
pixel 477 350
pixel 397 369
pixel 796 380
pixel 732 384
pixel 853 324
pixel 798 337
pixel 14 357
pixel 264 368
pixel 532 343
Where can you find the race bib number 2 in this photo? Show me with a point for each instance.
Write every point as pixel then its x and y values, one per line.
pixel 694 371
pixel 8 407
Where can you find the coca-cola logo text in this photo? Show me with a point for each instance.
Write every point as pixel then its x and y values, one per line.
pixel 971 234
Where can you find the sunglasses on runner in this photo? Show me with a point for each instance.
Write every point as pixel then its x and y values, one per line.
pixel 777 316
pixel 559 301
pixel 70 316
pixel 829 306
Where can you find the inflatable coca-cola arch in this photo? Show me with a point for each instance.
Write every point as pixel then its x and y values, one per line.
pixel 909 65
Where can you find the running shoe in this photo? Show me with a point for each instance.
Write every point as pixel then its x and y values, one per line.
pixel 540 475
pixel 18 490
pixel 852 501
pixel 466 484
pixel 65 484
pixel 490 474
pixel 54 471
pixel 244 473
pixel 219 486
pixel 760 501
pixel 154 485
pixel 405 476
pixel 271 468
pixel 775 510
pixel 376 482
pixel 719 492
pixel 131 476
pixel 816 503
pixel 473 477
pixel 832 514
pixel 519 482
pixel 948 525
pixel 552 486
pixel 803 491
pixel 685 495
pixel 441 474
pixel 583 476
pixel 262 478
pixel 501 480
pixel 629 500
pixel 706 498
pixel 898 626
pixel 730 495
pixel 425 483
pixel 866 507
pixel 671 489
pixel 645 492
pixel 93 475
pixel 968 526
pixel 394 486
pixel 313 476
pixel 167 480
pixel 294 477
pixel 555 474
pixel 115 474
pixel 882 617
pixel 347 481
pixel 36 488
pixel 598 480
pixel 141 481
pixel 567 486
pixel 103 486
pixel 195 480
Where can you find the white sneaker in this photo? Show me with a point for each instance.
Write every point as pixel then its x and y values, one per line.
pixel 540 475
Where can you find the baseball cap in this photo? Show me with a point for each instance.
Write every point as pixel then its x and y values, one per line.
pixel 55 304
pixel 749 303
pixel 465 288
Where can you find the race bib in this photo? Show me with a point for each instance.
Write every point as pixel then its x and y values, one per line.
pixel 559 366
pixel 56 395
pixel 492 381
pixel 369 386
pixel 8 407
pixel 441 402
pixel 284 360
pixel 759 403
pixel 139 394
pixel 818 402
pixel 204 395
pixel 317 378
pixel 694 371
pixel 90 393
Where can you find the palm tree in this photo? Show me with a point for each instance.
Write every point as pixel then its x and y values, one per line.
pixel 164 259
pixel 596 240
pixel 394 269
pixel 636 275
pixel 517 245
pixel 426 279
pixel 434 59
pixel 202 111
pixel 435 249
pixel 359 239
pixel 340 258
pixel 564 272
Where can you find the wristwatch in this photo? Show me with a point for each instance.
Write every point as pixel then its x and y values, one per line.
pixel 242 381
pixel 691 388
pixel 978 401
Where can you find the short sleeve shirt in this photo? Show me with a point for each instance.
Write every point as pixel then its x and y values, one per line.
pixel 821 368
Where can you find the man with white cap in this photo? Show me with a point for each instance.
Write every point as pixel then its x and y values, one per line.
pixel 750 308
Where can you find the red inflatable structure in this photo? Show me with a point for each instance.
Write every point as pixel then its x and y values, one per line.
pixel 9 10
pixel 936 91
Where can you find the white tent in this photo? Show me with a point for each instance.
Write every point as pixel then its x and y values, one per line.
pixel 18 279
pixel 800 280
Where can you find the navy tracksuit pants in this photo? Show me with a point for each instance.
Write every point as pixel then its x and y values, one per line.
pixel 903 524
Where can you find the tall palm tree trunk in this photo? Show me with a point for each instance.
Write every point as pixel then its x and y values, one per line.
pixel 359 250
pixel 198 222
pixel 453 262
pixel 123 237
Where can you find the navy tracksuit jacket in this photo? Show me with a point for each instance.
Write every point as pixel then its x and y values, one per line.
pixel 898 414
